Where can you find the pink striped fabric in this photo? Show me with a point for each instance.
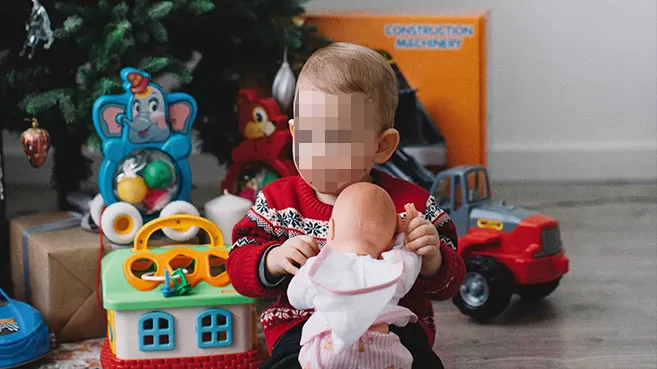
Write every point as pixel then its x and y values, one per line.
pixel 374 350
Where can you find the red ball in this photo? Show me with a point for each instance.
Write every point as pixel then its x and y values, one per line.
pixel 156 199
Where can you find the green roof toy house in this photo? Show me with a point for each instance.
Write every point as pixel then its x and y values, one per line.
pixel 174 307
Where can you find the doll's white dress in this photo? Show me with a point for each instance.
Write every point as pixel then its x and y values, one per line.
pixel 350 295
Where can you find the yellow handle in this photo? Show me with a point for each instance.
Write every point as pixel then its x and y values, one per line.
pixel 177 222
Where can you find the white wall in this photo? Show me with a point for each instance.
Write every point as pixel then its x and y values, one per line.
pixel 572 91
pixel 572 84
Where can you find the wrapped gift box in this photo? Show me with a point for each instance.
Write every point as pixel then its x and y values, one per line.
pixel 55 271
pixel 54 263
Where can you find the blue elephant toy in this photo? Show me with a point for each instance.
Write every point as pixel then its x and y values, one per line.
pixel 145 173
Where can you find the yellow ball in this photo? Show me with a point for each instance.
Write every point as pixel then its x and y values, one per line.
pixel 132 190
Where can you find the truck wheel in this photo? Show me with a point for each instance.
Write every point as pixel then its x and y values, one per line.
pixel 535 292
pixel 486 290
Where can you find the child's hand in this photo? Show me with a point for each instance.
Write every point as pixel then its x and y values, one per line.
pixel 291 255
pixel 422 238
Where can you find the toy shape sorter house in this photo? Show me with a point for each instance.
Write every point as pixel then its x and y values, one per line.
pixel 174 307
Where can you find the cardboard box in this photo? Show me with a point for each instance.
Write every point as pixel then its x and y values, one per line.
pixel 57 275
pixel 442 55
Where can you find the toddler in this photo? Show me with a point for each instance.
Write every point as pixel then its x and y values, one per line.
pixel 343 123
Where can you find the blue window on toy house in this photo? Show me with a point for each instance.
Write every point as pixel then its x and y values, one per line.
pixel 214 328
pixel 156 332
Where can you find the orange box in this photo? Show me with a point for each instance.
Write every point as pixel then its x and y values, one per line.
pixel 442 55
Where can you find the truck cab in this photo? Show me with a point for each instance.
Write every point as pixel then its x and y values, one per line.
pixel 506 249
pixel 459 190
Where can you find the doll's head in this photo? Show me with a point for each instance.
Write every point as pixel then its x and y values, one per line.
pixel 344 111
pixel 364 220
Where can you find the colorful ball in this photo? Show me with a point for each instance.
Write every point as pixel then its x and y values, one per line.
pixel 156 200
pixel 132 190
pixel 158 174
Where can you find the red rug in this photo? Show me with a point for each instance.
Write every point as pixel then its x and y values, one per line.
pixel 77 355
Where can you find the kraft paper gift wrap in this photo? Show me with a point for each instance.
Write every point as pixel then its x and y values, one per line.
pixel 54 263
pixel 53 267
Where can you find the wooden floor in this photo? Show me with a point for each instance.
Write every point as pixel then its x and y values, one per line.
pixel 604 314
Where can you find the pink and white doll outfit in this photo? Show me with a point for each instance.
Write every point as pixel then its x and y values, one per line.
pixel 353 295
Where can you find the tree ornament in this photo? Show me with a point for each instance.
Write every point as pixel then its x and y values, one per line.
pixel 36 143
pixel 284 84
pixel 38 29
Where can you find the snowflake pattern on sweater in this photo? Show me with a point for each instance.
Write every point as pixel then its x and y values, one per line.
pixel 289 222
pixel 287 208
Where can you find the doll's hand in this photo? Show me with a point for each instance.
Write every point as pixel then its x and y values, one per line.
pixel 291 255
pixel 422 238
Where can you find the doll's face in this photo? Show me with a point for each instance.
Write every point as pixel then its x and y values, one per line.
pixel 363 220
pixel 335 138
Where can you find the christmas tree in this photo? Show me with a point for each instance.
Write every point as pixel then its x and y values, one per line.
pixel 238 41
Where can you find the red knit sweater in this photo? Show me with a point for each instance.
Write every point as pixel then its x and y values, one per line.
pixel 287 208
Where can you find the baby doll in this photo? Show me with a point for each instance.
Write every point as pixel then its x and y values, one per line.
pixel 355 283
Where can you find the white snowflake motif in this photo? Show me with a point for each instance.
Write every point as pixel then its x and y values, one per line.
pixel 315 228
pixel 261 205
pixel 431 208
pixel 262 222
pixel 277 219
pixel 291 219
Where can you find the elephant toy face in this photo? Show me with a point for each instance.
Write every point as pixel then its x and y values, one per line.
pixel 148 117
pixel 144 113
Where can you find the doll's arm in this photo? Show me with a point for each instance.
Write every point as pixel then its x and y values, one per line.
pixel 301 292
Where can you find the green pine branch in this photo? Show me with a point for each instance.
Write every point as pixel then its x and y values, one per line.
pixel 117 35
pixel 202 6
pixel 160 10
pixel 180 69
pixel 158 31
pixel 39 103
pixel 120 11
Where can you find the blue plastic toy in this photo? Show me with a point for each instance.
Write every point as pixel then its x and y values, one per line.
pixel 168 290
pixel 23 333
pixel 145 173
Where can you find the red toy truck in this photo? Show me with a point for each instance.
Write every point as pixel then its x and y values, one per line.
pixel 506 249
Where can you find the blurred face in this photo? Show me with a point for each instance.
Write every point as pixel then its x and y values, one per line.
pixel 335 138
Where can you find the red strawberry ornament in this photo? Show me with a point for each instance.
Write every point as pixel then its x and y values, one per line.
pixel 36 143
